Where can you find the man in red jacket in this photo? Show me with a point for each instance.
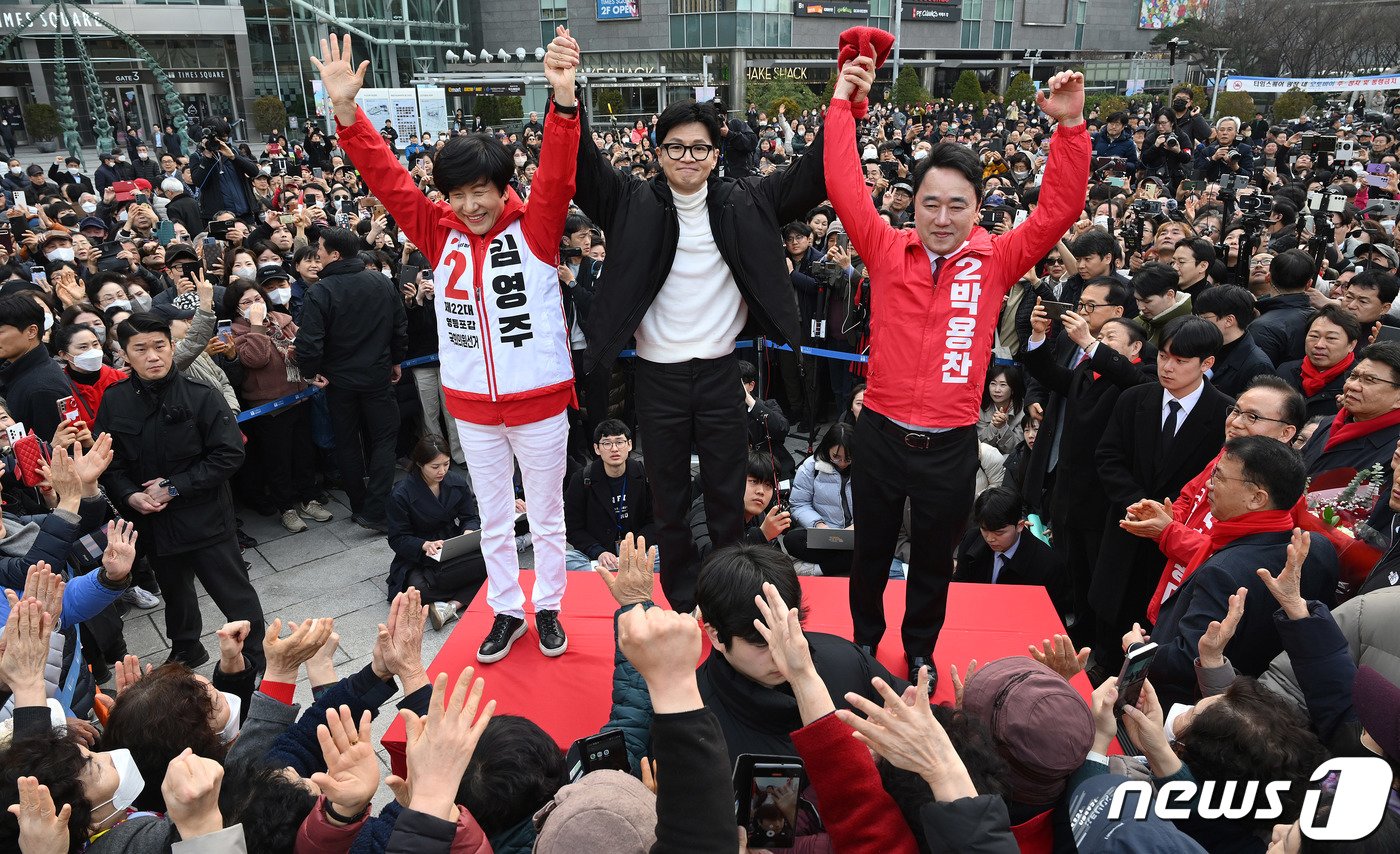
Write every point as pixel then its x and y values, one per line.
pixel 936 293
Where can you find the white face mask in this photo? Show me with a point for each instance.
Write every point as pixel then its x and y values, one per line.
pixel 73 170
pixel 247 274
pixel 123 304
pixel 15 170
pixel 121 158
pixel 48 321
pixel 869 153
pixel 1020 176
pixel 235 705
pixel 123 216
pixel 143 155
pixel 920 154
pixel 89 360
pixel 520 161
pixel 266 170
pixel 130 783
pixel 1169 725
pixel 62 254
pixel 281 296
pixel 89 207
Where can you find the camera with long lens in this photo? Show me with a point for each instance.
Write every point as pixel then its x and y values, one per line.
pixel 211 137
pixel 1255 205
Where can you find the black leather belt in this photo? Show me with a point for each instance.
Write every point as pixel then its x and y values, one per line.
pixel 915 439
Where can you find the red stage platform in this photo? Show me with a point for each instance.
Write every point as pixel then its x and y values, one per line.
pixel 570 696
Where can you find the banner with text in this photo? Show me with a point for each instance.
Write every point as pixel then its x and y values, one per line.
pixel 1313 84
pixel 618 10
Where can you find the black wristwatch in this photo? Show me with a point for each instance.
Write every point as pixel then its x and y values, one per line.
pixel 167 485
pixel 568 111
pixel 331 813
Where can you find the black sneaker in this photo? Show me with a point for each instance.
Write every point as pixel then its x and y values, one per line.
pixel 553 641
pixel 191 657
pixel 919 661
pixel 504 632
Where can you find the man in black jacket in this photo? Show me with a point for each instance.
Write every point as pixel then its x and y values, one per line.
pixel 111 171
pixel 33 382
pixel 71 173
pixel 737 142
pixel 354 354
pixel 1368 426
pixel 1231 309
pixel 182 207
pixel 999 550
pixel 223 177
pixel 708 266
pixel 768 429
pixel 606 500
pixel 176 443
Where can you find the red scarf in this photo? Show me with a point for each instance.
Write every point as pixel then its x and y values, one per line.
pixel 1222 533
pixel 1346 431
pixel 1315 381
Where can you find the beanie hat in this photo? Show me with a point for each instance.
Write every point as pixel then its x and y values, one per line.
pixel 604 811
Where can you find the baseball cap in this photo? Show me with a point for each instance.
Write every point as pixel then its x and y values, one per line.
pixel 143 185
pixel 50 236
pixel 108 155
pixel 1035 717
pixel 125 190
pixel 903 185
pixel 92 222
pixel 1095 833
pixel 272 272
pixel 180 252
pixel 35 169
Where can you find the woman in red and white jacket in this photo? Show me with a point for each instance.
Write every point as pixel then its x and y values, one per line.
pixel 503 344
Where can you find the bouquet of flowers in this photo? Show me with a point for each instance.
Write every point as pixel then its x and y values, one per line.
pixel 1340 514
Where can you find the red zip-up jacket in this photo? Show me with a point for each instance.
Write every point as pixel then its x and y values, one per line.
pixel 931 342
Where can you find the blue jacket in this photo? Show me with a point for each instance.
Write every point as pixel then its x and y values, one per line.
pixel 299 748
pixel 83 599
pixel 821 493
pixel 1122 146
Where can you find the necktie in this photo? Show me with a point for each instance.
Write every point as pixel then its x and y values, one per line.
pixel 1083 357
pixel 1169 426
pixel 997 566
pixel 937 268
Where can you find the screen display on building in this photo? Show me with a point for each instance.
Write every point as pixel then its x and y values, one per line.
pixel 860 9
pixel 932 10
pixel 1160 14
pixel 618 10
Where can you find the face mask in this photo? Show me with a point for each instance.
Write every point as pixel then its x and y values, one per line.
pixel 48 321
pixel 1020 175
pixel 141 303
pixel 60 254
pixel 520 161
pixel 247 274
pixel 388 274
pixel 129 781
pixel 121 158
pixel 72 170
pixel 266 170
pixel 123 304
pixel 15 170
pixel 89 207
pixel 235 705
pixel 143 155
pixel 869 153
pixel 281 296
pixel 920 155
pixel 1179 105
pixel 89 361
pixel 1169 725
pixel 123 216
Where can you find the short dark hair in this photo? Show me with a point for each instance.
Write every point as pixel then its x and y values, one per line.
pixel 996 508
pixel 958 158
pixel 1272 465
pixel 1201 249
pixel 270 807
pixel 1226 301
pixel 576 222
pixel 689 112
pixel 824 210
pixel 748 371
pixel 342 241
pixel 1292 271
pixel 611 427
pixel 1120 117
pixel 801 229
pixel 761 467
pixel 470 158
pixel 516 769
pixel 1094 241
pixel 1295 408
pixel 54 759
pixel 1338 315
pixel 730 579
pixel 140 323
pixel 1191 337
pixel 1286 210
pixel 63 335
pixel 1154 279
pixel 838 435
pixel 1385 352
pixel 21 312
pixel 1385 285
pixel 1119 291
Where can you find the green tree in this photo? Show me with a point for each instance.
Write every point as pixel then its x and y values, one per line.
pixel 968 90
pixel 1291 104
pixel 41 121
pixel 1020 88
pixel 269 114
pixel 829 90
pixel 768 95
pixel 1237 104
pixel 496 110
pixel 608 102
pixel 908 89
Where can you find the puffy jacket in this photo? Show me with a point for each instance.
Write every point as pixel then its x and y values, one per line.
pixel 1371 626
pixel 821 493
pixel 1121 146
pixel 931 341
pixel 262 351
pixel 1281 326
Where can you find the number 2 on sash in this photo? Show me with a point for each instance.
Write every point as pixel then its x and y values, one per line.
pixel 459 269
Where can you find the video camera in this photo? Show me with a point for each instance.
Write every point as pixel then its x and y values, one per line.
pixel 210 137
pixel 1256 205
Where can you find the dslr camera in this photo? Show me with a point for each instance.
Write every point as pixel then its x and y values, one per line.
pixel 210 137
pixel 1255 204
pixel 1148 207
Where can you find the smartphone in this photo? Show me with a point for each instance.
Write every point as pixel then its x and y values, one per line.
pixel 225 331
pixel 1134 673
pixel 318 172
pixel 347 206
pixel 211 255
pixel 1378 175
pixel 766 789
pixel 408 275
pixel 20 201
pixel 342 219
pixel 1194 186
pixel 220 228
pixel 165 233
pixel 7 239
pixel 990 218
pixel 287 219
pixel 1056 309
pixel 68 408
pixel 1388 333
pixel 40 278
pixel 605 751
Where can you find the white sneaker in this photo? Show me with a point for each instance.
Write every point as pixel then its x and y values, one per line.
pixel 292 522
pixel 314 510
pixel 804 568
pixel 141 598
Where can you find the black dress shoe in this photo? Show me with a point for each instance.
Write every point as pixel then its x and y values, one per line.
pixel 553 641
pixel 370 524
pixel 504 632
pixel 919 661
pixel 191 656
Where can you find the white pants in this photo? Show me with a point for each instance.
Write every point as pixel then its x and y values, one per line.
pixel 491 451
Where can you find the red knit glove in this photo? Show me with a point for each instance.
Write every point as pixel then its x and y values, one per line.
pixel 867 41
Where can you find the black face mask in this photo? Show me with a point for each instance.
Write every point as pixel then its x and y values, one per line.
pixel 69 221
pixel 1179 105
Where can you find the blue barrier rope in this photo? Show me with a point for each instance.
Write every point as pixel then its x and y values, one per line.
pixel 292 399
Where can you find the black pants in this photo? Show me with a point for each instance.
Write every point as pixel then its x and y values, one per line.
pixel 1079 546
pixel 365 425
pixel 699 404
pixel 939 482
pixel 457 580
pixel 280 447
pixel 219 568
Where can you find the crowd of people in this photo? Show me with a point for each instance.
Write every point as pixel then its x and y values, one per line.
pixel 1106 355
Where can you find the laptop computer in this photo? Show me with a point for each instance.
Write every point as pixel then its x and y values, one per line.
pixel 459 545
pixel 839 539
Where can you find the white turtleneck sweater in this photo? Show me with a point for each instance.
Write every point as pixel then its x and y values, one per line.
pixel 699 310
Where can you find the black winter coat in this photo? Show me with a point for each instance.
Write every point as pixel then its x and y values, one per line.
pixel 33 384
pixel 204 172
pixel 1281 326
pixel 353 329
pixel 1361 453
pixel 745 214
pixel 1237 364
pixel 768 431
pixel 588 515
pixel 185 210
pixel 417 516
pixel 177 428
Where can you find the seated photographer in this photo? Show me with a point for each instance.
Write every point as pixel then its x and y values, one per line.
pixel 767 426
pixel 606 500
pixel 764 518
pixel 1001 551
pixel 821 498
pixel 433 504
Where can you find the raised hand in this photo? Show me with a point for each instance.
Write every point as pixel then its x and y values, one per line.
pixel 402 652
pixel 664 647
pixel 1147 518
pixel 231 639
pixel 26 651
pixel 1287 586
pixel 191 792
pixel 352 769
pixel 438 748
pixel 561 62
pixel 120 554
pixel 854 80
pixel 341 80
pixel 42 829
pixel 128 672
pixel 47 586
pixel 1058 654
pixel 1211 647
pixel 781 628
pixel 285 656
pixel 90 464
pixel 632 583
pixel 960 682
pixel 1065 103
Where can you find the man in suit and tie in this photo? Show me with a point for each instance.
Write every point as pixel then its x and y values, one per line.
pixel 1157 438
pixel 1094 358
pixel 1366 429
pixel 1001 551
